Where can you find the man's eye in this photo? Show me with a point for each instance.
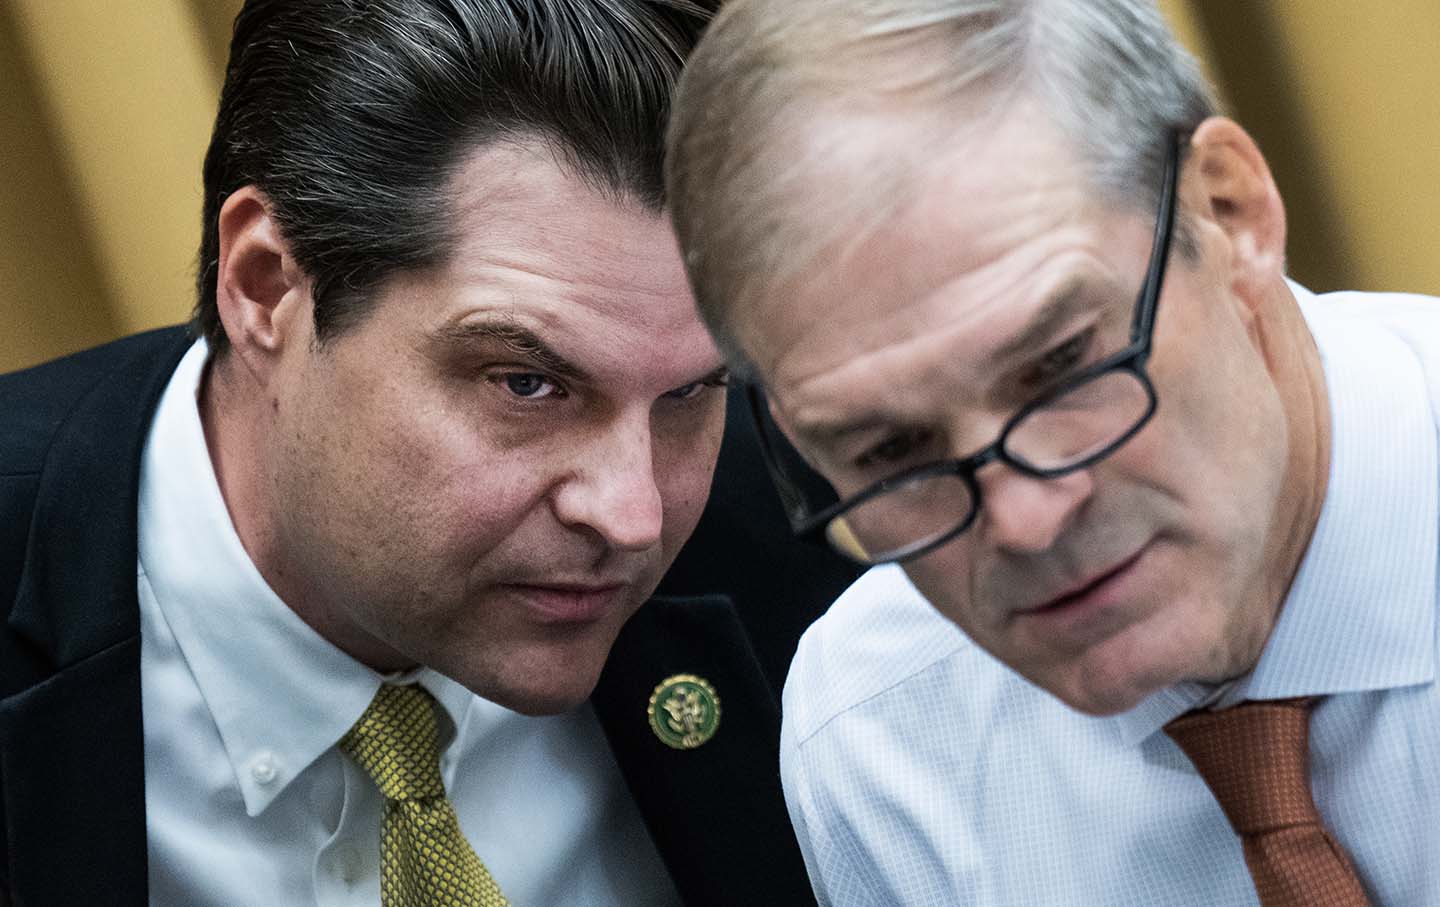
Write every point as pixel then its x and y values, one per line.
pixel 894 449
pixel 685 392
pixel 530 386
pixel 695 388
pixel 1059 360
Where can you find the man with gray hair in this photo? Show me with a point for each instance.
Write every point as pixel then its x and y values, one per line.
pixel 346 594
pixel 1152 619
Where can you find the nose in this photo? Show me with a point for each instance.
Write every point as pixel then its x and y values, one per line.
pixel 1023 514
pixel 612 490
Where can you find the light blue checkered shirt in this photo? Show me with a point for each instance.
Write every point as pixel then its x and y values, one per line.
pixel 919 770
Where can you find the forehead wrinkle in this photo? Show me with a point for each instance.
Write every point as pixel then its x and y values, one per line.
pixel 580 272
pixel 954 307
pixel 519 209
pixel 989 283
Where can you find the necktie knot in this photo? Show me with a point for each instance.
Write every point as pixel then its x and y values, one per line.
pixel 396 742
pixel 1255 759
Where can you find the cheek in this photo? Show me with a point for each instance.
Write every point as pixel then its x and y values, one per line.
pixel 684 464
pixel 946 578
pixel 1220 442
pixel 442 491
pixel 471 498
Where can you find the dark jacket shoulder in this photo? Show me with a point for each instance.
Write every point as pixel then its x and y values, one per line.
pixel 35 402
pixel 743 548
pixel 70 432
pixel 71 752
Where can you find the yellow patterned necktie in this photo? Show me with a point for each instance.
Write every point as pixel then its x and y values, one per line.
pixel 424 859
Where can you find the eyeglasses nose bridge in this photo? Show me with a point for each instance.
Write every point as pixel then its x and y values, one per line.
pixel 970 466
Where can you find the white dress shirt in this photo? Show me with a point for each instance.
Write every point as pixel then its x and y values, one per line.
pixel 920 770
pixel 247 799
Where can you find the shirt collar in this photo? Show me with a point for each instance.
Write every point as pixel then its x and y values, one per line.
pixel 279 693
pixel 1360 614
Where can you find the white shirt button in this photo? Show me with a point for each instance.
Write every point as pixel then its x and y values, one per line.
pixel 346 861
pixel 264 768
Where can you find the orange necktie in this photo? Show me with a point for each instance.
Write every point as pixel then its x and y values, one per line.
pixel 1255 759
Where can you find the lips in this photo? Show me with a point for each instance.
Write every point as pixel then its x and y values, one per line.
pixel 570 603
pixel 1088 587
pixel 1092 588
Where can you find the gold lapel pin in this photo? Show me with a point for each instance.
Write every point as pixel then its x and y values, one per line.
pixel 684 711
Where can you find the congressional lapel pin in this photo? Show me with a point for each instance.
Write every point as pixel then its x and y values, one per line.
pixel 684 711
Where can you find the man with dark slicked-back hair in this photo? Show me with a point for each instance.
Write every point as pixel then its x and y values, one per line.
pixel 368 587
pixel 1154 529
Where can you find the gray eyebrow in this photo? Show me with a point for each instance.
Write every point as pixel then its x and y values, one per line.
pixel 832 434
pixel 1059 308
pixel 1071 297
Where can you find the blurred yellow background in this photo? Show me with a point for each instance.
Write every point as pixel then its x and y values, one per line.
pixel 106 106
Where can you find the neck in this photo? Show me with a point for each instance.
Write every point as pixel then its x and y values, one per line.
pixel 238 425
pixel 231 425
pixel 1294 360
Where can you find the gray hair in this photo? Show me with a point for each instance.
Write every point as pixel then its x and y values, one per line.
pixel 747 138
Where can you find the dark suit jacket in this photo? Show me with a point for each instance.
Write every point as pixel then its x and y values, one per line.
pixel 71 740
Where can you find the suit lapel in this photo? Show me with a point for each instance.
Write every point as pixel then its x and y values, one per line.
pixel 715 812
pixel 73 763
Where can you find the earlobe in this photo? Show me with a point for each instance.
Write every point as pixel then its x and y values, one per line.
pixel 1232 187
pixel 259 289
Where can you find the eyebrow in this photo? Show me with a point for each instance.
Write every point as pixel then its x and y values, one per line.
pixel 517 339
pixel 833 433
pixel 1072 297
pixel 522 341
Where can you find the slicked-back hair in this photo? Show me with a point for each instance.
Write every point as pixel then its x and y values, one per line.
pixel 352 115
pixel 781 89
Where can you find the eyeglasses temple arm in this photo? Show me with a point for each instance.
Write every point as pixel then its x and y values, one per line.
pixel 1164 228
pixel 791 499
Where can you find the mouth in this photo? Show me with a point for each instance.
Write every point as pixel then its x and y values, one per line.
pixel 1091 587
pixel 570 603
pixel 1092 609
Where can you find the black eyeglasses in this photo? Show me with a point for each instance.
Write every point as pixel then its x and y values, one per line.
pixel 1069 427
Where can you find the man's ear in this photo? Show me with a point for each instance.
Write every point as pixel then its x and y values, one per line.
pixel 1231 186
pixel 262 295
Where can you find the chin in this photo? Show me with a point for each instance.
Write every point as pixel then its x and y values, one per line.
pixel 1101 703
pixel 1118 674
pixel 546 689
pixel 533 670
pixel 538 706
pixel 1106 689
